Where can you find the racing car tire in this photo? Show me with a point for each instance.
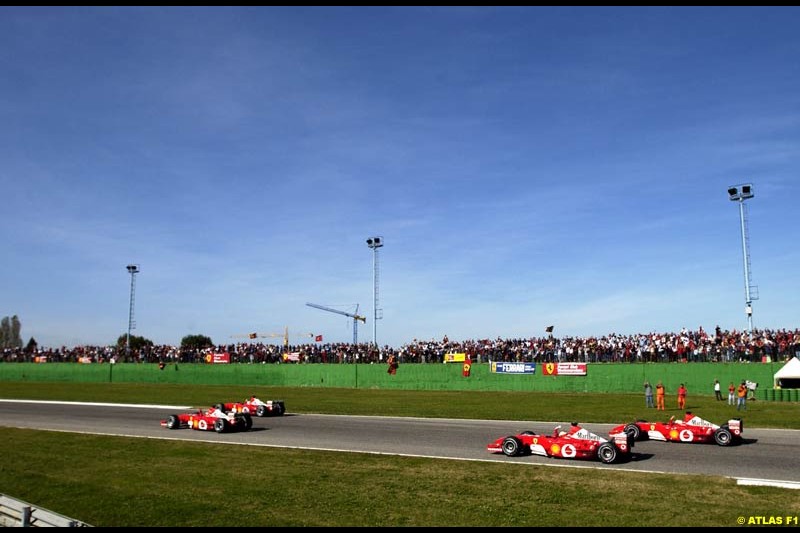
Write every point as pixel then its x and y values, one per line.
pixel 633 431
pixel 607 453
pixel 261 410
pixel 723 436
pixel 246 422
pixel 173 422
pixel 220 425
pixel 511 446
pixel 278 409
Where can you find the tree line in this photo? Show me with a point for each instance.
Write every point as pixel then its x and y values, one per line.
pixel 11 338
pixel 196 342
pixel 10 329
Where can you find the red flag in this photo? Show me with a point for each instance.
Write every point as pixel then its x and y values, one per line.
pixel 318 338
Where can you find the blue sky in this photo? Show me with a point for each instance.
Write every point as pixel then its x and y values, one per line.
pixel 525 166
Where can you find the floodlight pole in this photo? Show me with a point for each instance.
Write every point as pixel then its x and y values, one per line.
pixel 740 193
pixel 133 269
pixel 746 260
pixel 375 243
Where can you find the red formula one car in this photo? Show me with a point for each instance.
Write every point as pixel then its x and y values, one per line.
pixel 254 406
pixel 210 420
pixel 691 429
pixel 577 443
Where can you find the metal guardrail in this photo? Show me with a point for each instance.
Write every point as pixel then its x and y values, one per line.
pixel 17 513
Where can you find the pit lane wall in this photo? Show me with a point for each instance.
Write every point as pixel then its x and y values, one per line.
pixel 600 377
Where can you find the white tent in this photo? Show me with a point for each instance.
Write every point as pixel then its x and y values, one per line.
pixel 788 377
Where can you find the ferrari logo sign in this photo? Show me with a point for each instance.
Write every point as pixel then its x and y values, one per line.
pixel 565 369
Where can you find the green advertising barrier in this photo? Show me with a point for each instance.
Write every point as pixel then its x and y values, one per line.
pixel 601 377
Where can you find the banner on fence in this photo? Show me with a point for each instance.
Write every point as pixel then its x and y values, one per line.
pixel 217 358
pixel 503 367
pixel 291 356
pixel 455 357
pixel 564 369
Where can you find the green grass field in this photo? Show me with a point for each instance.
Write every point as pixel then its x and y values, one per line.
pixel 119 481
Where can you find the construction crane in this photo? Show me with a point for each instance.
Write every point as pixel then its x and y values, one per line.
pixel 355 316
pixel 285 336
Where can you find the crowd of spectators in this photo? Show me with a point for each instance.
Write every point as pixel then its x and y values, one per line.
pixel 682 346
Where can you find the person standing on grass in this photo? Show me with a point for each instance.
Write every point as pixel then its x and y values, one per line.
pixel 731 394
pixel 648 394
pixel 741 392
pixel 660 397
pixel 392 361
pixel 681 397
pixel 717 390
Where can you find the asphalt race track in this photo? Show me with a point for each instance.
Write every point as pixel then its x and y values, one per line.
pixel 764 454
